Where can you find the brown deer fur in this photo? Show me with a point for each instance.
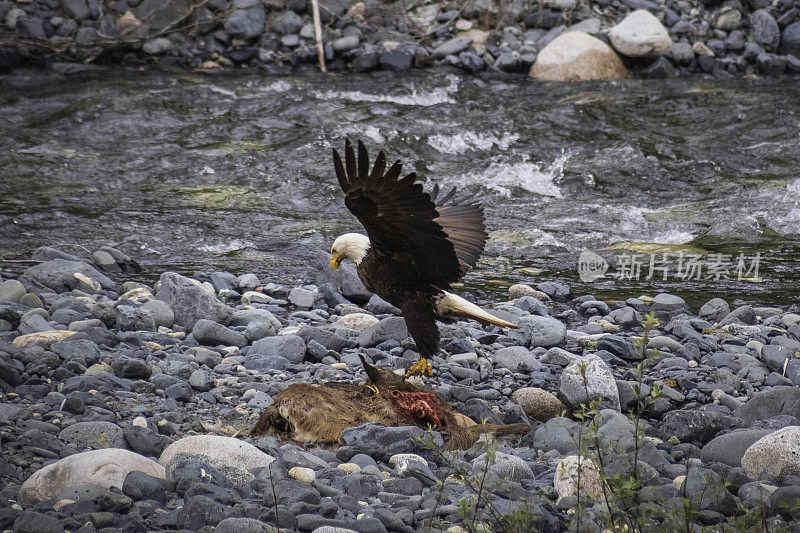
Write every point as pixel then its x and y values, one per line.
pixel 318 414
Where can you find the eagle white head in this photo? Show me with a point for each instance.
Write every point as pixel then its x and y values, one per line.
pixel 353 246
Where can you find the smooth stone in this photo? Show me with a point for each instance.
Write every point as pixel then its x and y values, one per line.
pixel 218 450
pixel 569 470
pixel 357 321
pixel 538 404
pixel 107 467
pixel 48 338
pixel 190 301
pixel 93 435
pixel 600 383
pixel 576 56
pixel 776 454
pixel 640 34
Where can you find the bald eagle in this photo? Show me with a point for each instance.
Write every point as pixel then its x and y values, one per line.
pixel 416 246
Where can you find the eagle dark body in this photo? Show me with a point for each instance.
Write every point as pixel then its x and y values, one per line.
pixel 418 245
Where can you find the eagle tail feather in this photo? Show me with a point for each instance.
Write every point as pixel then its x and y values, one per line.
pixel 453 306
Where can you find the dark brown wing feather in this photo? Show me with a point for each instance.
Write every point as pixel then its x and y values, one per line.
pixel 440 243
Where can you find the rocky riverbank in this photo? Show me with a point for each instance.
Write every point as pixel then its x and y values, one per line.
pixel 124 407
pixel 551 40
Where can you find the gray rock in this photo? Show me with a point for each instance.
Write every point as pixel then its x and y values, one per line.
pixel 243 317
pixel 775 453
pixel 290 347
pixel 11 291
pixel 93 435
pixel 343 44
pixel 774 356
pixel 754 495
pixel 59 275
pixel 768 403
pixel 246 20
pixel 559 356
pixel 560 434
pixel 700 424
pixel 190 302
pixel 743 315
pixel 538 404
pixel 33 522
pixel 619 346
pixel 33 323
pixel 615 431
pixel 790 39
pixel 714 310
pixel 211 333
pixel 506 467
pixel 287 23
pixel 180 391
pixel 107 467
pixel 625 317
pixel 303 297
pixel 705 489
pixel 131 368
pixel 540 331
pixel 453 46
pixel 666 306
pixel 379 306
pixel 764 30
pixel 516 359
pixel 132 318
pixel 201 380
pixel 243 525
pixel 75 9
pixel 162 314
pixel 160 45
pixel 145 441
pixel 204 356
pixel 381 442
pixel 730 447
pixel 599 382
pixel 139 486
pixel 248 282
pixel 388 328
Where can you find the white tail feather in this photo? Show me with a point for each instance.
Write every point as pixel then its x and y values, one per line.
pixel 452 306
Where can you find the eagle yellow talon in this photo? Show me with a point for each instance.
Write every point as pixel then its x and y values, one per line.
pixel 420 368
pixel 373 388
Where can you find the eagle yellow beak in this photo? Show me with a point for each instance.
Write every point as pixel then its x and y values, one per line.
pixel 335 260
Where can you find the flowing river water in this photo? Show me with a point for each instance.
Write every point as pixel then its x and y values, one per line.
pixel 198 173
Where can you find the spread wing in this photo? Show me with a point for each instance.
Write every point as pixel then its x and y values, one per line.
pixel 403 222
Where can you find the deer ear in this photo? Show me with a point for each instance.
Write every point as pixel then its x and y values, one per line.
pixel 373 373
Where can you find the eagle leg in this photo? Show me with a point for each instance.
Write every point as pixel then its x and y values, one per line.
pixel 421 368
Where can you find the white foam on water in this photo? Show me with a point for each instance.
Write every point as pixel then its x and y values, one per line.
pixel 469 140
pixel 224 247
pixel 370 132
pixel 280 86
pixel 415 97
pixel 220 90
pixel 529 176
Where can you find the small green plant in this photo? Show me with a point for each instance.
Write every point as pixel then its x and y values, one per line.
pixel 471 511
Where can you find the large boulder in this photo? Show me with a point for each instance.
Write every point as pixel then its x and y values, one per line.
pixel 107 467
pixel 538 404
pixel 218 451
pixel 764 30
pixel 576 56
pixel 640 34
pixel 63 275
pixel 776 454
pixel 589 376
pixel 247 19
pixel 190 301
